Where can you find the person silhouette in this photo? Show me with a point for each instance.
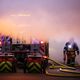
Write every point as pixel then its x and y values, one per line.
pixel 69 51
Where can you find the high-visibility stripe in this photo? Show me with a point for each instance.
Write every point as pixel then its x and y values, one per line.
pixel 31 64
pixel 6 63
pixel 2 63
pixel 5 66
pixel 34 67
pixel 37 64
pixel 9 63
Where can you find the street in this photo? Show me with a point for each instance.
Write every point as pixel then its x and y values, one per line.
pixel 30 76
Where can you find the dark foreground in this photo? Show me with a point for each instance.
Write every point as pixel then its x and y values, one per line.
pixel 28 76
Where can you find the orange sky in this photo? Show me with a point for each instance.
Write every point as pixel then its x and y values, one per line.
pixel 40 19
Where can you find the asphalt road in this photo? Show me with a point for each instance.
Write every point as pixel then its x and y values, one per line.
pixel 30 76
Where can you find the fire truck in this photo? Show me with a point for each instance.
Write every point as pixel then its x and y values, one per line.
pixel 37 61
pixel 7 59
pixel 32 57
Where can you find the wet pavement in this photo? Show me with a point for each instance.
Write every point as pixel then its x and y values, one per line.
pixel 30 76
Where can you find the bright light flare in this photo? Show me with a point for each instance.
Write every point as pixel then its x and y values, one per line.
pixel 69 46
pixel 45 57
pixel 0 42
pixel 42 42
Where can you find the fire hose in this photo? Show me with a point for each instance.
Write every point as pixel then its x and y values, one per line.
pixel 62 70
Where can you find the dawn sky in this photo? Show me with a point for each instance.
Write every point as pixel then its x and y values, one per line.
pixel 40 18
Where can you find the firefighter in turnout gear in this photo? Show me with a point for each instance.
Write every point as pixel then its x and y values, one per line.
pixel 70 51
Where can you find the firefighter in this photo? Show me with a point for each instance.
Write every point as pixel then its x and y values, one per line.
pixel 70 51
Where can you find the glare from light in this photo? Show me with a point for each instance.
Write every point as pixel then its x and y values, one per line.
pixel 42 42
pixel 45 57
pixel 69 46
pixel 0 43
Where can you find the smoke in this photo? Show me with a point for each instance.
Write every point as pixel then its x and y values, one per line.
pixel 50 20
pixel 6 27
